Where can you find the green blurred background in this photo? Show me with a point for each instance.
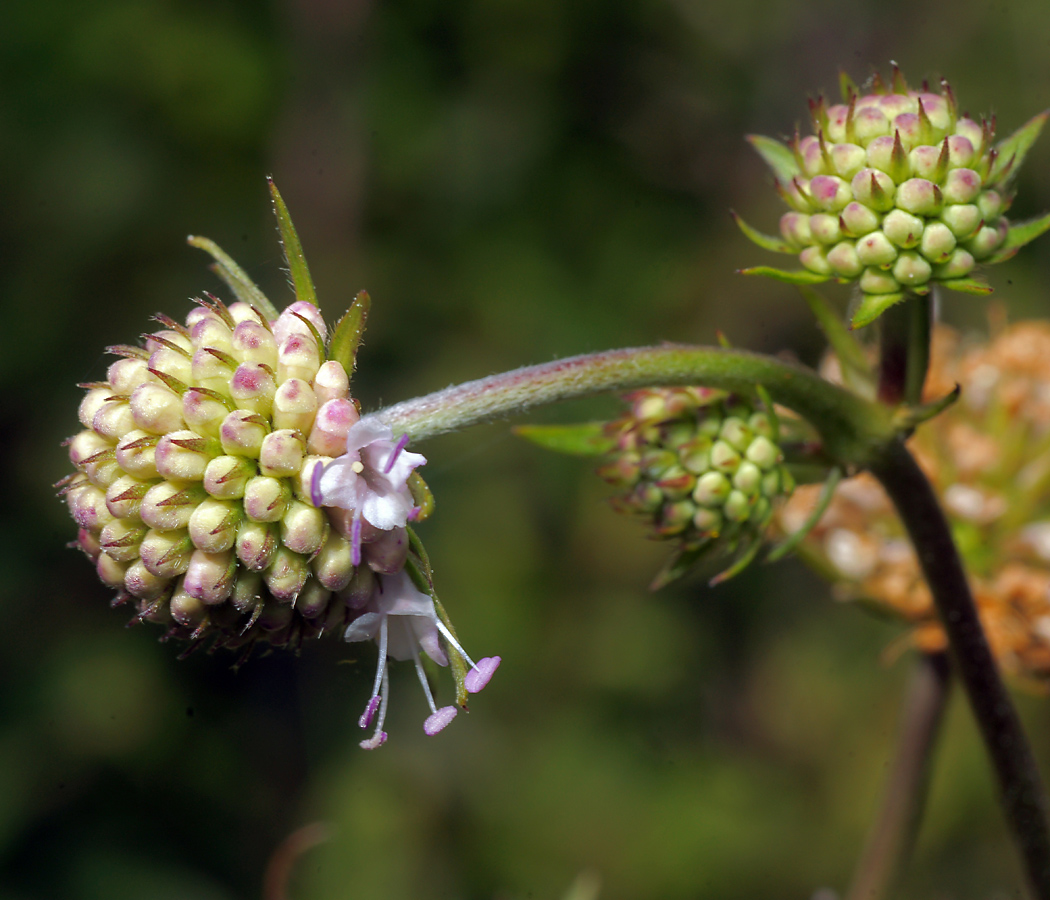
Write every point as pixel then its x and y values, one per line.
pixel 512 180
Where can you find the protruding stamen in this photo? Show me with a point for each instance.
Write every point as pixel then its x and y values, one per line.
pixel 401 444
pixel 370 711
pixel 379 737
pixel 459 649
pixel 481 674
pixel 439 720
pixel 422 676
pixel 355 540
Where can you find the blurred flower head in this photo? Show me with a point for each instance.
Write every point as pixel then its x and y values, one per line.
pixel 988 456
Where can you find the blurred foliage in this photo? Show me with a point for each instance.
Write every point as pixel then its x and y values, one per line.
pixel 511 180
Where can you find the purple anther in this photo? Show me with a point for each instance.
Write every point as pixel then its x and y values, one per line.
pixel 376 740
pixel 481 674
pixel 370 711
pixel 439 720
pixel 315 485
pixel 401 444
pixel 355 541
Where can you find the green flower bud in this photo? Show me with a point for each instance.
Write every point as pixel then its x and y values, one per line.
pixel 876 249
pixel 903 229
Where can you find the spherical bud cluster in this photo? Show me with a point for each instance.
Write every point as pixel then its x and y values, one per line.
pixel 192 489
pixel 892 192
pixel 986 457
pixel 703 468
pixel 896 190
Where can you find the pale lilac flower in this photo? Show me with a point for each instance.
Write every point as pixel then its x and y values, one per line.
pixel 402 620
pixel 370 479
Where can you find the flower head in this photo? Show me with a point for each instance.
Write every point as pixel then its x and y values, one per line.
pixel 896 190
pixel 986 456
pixel 703 468
pixel 403 621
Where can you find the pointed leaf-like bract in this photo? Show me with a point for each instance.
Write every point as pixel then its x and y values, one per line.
pixel 847 86
pixel 908 418
pixel 801 276
pixel 872 306
pixel 293 250
pixel 742 562
pixel 585 439
pixel 1012 150
pixel 1019 234
pixel 765 241
pixel 235 277
pixel 777 156
pixel 843 343
pixel 679 564
pixel 823 501
pixel 966 285
pixel 346 338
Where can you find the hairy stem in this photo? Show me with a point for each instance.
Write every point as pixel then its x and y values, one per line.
pixel 1020 785
pixel 850 426
pixel 893 833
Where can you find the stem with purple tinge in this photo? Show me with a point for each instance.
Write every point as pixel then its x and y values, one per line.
pixel 1021 788
pixel 896 825
pixel 904 350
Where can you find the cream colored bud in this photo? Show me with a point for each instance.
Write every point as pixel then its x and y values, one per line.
pixel 282 453
pixel 156 408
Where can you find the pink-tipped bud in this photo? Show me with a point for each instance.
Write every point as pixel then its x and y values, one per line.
pixel 331 383
pixel 333 421
pixel 253 342
pixel 252 388
pixel 282 453
pixel 294 406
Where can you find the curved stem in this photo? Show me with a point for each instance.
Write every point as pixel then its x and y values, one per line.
pixel 852 428
pixel 893 833
pixel 1020 785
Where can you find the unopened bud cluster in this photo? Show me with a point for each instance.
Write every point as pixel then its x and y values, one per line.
pixel 986 456
pixel 698 465
pixel 894 191
pixel 192 490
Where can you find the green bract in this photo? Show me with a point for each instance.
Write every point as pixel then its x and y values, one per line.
pixel 896 191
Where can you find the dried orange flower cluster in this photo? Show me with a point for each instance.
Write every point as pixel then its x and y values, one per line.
pixel 989 458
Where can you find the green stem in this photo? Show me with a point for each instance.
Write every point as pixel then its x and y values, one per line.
pixel 904 350
pixel 852 428
pixel 1020 785
pixel 856 433
pixel 893 833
